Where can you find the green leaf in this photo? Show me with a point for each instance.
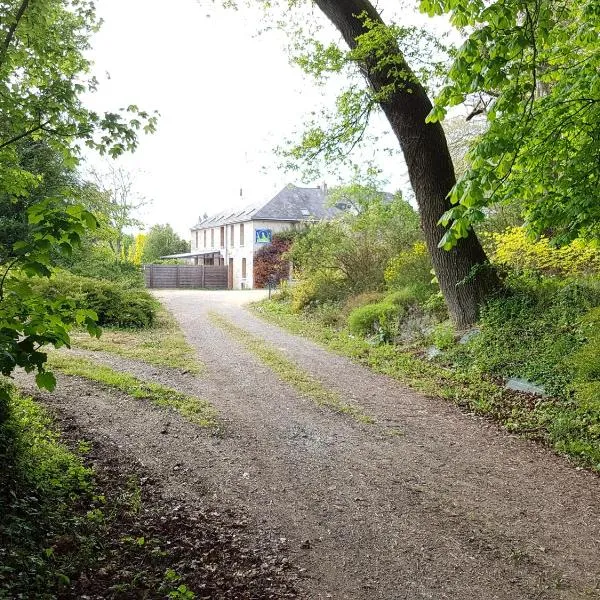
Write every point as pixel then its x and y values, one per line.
pixel 46 380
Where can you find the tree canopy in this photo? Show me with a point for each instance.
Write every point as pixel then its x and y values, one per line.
pixel 534 66
pixel 162 240
pixel 44 123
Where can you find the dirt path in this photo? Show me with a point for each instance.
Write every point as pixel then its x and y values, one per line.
pixel 426 503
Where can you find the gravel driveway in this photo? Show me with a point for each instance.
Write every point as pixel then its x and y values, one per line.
pixel 427 502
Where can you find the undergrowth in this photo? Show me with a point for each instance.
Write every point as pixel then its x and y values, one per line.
pixel 163 344
pixel 289 372
pixel 195 410
pixel 45 537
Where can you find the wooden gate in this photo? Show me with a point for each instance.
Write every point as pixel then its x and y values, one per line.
pixel 186 276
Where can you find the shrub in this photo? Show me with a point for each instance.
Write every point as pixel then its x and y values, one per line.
pixel 435 306
pixel 443 335
pixel 269 262
pixel 329 314
pixel 381 319
pixel 410 267
pixel 409 295
pixel 532 332
pixel 361 300
pixel 514 249
pixel 318 288
pixel 115 304
pixel 586 360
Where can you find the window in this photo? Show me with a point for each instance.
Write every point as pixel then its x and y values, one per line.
pixel 222 230
pixel 205 238
pixel 231 230
pixel 243 268
pixel 196 238
pixel 241 234
pixel 212 237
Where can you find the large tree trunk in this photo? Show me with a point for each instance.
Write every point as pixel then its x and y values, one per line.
pixel 463 274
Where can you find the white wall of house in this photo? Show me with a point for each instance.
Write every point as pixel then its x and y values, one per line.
pixel 233 249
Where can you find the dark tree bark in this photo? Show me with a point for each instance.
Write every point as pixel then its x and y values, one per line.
pixel 463 273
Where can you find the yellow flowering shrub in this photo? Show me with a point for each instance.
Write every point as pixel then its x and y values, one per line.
pixel 409 267
pixel 514 249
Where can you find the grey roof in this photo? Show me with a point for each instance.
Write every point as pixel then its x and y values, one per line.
pixel 290 204
pixel 297 204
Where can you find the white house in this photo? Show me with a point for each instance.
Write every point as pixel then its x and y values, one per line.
pixel 232 237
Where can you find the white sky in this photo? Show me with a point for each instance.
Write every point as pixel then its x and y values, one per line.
pixel 226 98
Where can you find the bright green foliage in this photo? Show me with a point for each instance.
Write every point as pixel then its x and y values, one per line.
pixel 535 63
pixel 29 321
pixel 354 248
pixel 532 332
pixel 316 290
pixel 443 335
pixel 383 319
pixel 380 319
pixel 43 75
pixel 162 240
pixel 115 304
pixel 334 133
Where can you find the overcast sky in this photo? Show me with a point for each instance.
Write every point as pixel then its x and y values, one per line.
pixel 226 97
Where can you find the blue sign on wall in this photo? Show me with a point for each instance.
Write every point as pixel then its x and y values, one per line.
pixel 263 236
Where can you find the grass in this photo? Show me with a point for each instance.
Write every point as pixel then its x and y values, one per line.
pixel 288 371
pixel 61 520
pixel 162 345
pixel 41 483
pixel 554 422
pixel 196 410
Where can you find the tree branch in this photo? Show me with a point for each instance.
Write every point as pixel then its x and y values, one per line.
pixel 11 30
pixel 23 135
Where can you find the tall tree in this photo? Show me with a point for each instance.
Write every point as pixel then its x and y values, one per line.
pixel 462 269
pixel 116 204
pixel 43 123
pixel 162 240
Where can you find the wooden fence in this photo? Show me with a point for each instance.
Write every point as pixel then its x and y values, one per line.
pixel 186 276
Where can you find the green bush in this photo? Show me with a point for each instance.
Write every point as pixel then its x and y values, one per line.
pixel 116 304
pixel 381 319
pixel 410 295
pixel 41 484
pixel 318 288
pixel 100 262
pixel 435 306
pixel 361 300
pixel 411 267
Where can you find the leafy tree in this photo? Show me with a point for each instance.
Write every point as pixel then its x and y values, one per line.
pixel 115 204
pixel 398 90
pixel 356 247
pixel 43 121
pixel 162 241
pixel 534 67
